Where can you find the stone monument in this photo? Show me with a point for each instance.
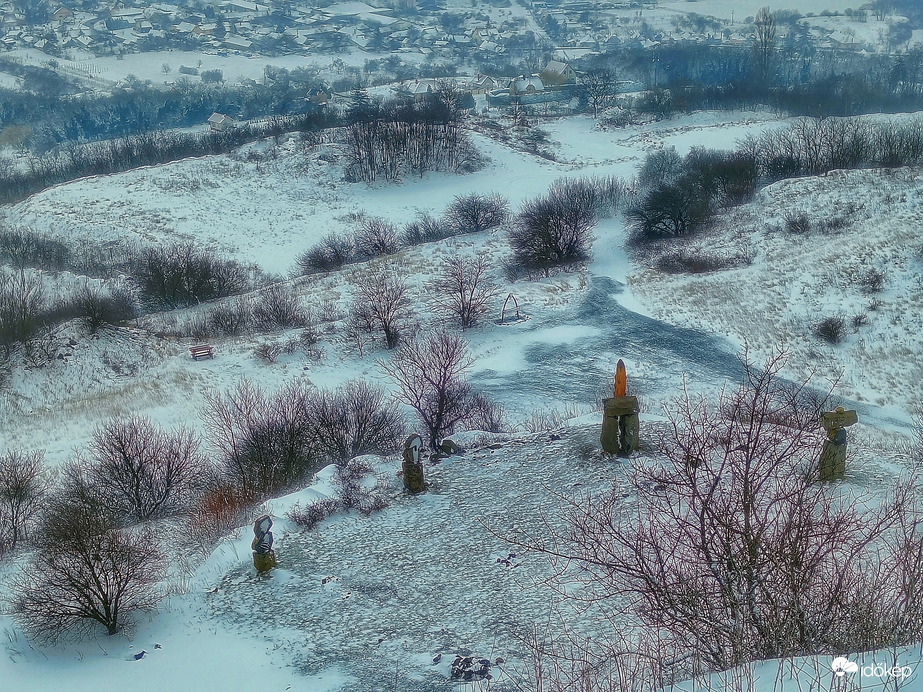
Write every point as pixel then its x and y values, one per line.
pixel 621 427
pixel 832 464
pixel 264 557
pixel 412 466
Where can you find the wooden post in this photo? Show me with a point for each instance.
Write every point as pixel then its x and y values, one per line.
pixel 832 462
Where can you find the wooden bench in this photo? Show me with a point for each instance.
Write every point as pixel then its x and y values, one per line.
pixel 201 351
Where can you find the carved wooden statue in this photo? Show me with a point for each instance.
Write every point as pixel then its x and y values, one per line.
pixel 412 466
pixel 264 557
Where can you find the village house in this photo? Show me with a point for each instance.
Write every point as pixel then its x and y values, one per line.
pixel 558 73
pixel 219 122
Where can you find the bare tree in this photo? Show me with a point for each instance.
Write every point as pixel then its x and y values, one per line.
pixel 24 483
pixel 764 44
pixel 142 471
pixel 430 376
pixel 353 420
pixel 474 212
pixel 85 571
pixel 380 302
pixel 463 289
pixel 599 85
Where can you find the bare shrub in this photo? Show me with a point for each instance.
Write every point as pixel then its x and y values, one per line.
pixel 85 571
pixel 485 414
pixel 353 493
pixel 473 213
pixel 269 351
pixel 797 223
pixel 831 329
pixel 278 307
pixel 375 237
pixel 141 471
pixel 380 302
pixel 463 290
pixel 333 251
pixel 310 515
pixel 222 508
pixel 870 281
pixel 660 167
pixel 670 210
pixel 22 299
pixel 265 442
pixel 430 376
pixel 24 484
pixel 98 308
pixel 231 318
pixel 424 229
pixel 354 420
pixel 182 275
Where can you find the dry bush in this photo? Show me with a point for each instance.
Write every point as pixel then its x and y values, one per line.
pixel 310 515
pixel 353 494
pixel 375 237
pixel 265 442
pixel 277 308
pixel 797 223
pixel 98 309
pixel 831 329
pixel 381 302
pixel 699 262
pixel 333 251
pixel 473 213
pixel 425 229
pixel 220 510
pixel 354 420
pixel 231 318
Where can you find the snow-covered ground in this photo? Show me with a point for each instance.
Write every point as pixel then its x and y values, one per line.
pixel 421 578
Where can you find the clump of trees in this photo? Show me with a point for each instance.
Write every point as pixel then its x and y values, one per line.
pixel 377 237
pixel 555 231
pixel 463 289
pixel 24 485
pixel 381 302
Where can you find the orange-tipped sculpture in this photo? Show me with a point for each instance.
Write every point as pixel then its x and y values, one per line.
pixel 620 418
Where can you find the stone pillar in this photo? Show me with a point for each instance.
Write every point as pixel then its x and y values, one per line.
pixel 621 426
pixel 412 465
pixel 832 462
pixel 264 557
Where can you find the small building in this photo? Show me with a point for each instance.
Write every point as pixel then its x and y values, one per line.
pixel 526 85
pixel 318 97
pixel 219 122
pixel 557 73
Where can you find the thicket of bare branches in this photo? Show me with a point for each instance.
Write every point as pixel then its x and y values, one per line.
pixel 331 253
pixel 265 441
pixel 473 213
pixel 375 237
pixel 380 303
pixel 85 571
pixel 734 552
pixel 24 484
pixel 143 472
pixel 463 290
pixel 353 420
pixel 278 307
pixel 430 375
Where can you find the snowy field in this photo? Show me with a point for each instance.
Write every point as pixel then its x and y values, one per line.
pixel 368 603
